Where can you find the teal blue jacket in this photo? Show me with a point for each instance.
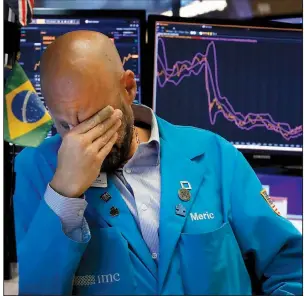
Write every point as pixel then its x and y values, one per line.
pixel 228 241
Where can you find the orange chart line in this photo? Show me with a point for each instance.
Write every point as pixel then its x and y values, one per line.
pixel 36 66
pixel 130 56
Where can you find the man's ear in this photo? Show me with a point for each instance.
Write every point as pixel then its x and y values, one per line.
pixel 130 86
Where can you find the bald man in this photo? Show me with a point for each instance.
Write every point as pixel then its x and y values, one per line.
pixel 123 202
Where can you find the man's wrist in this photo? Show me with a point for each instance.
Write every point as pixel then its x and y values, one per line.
pixel 65 190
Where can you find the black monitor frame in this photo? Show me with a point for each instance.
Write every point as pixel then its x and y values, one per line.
pixel 257 158
pixel 104 13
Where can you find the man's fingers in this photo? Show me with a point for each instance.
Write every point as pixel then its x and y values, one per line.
pixel 102 128
pixel 93 121
pixel 107 148
pixel 102 141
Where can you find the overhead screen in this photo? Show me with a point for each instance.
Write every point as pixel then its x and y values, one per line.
pixel 242 82
pixel 125 31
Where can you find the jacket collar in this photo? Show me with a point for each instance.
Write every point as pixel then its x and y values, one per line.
pixel 183 139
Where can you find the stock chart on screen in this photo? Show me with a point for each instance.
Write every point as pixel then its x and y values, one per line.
pixel 243 83
pixel 125 33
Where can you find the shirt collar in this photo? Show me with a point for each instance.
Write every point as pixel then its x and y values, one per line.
pixel 146 115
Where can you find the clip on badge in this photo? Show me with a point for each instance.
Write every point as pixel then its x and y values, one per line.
pixel 101 181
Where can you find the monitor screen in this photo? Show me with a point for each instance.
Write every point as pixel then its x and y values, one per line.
pixel 241 82
pixel 124 31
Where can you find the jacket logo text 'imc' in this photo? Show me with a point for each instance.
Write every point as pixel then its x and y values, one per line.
pixel 88 280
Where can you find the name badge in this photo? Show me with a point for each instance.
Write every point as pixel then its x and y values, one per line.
pixel 101 181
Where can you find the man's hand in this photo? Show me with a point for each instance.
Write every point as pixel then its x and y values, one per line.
pixel 83 151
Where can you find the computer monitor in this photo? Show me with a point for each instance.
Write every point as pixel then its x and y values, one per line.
pixel 240 80
pixel 125 28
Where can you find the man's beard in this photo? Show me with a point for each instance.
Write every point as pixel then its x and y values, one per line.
pixel 119 153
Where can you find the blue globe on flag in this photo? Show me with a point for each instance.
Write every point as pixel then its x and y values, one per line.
pixel 27 107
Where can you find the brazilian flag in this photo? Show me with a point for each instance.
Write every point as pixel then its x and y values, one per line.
pixel 26 120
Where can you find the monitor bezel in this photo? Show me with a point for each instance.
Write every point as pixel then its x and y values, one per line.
pixel 257 157
pixel 105 13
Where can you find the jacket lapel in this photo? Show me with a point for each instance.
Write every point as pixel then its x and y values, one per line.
pixel 175 167
pixel 98 209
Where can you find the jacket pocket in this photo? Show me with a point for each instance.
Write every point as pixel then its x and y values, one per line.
pixel 212 264
pixel 106 266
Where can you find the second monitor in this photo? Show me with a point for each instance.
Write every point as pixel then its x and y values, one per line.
pixel 125 28
pixel 242 82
